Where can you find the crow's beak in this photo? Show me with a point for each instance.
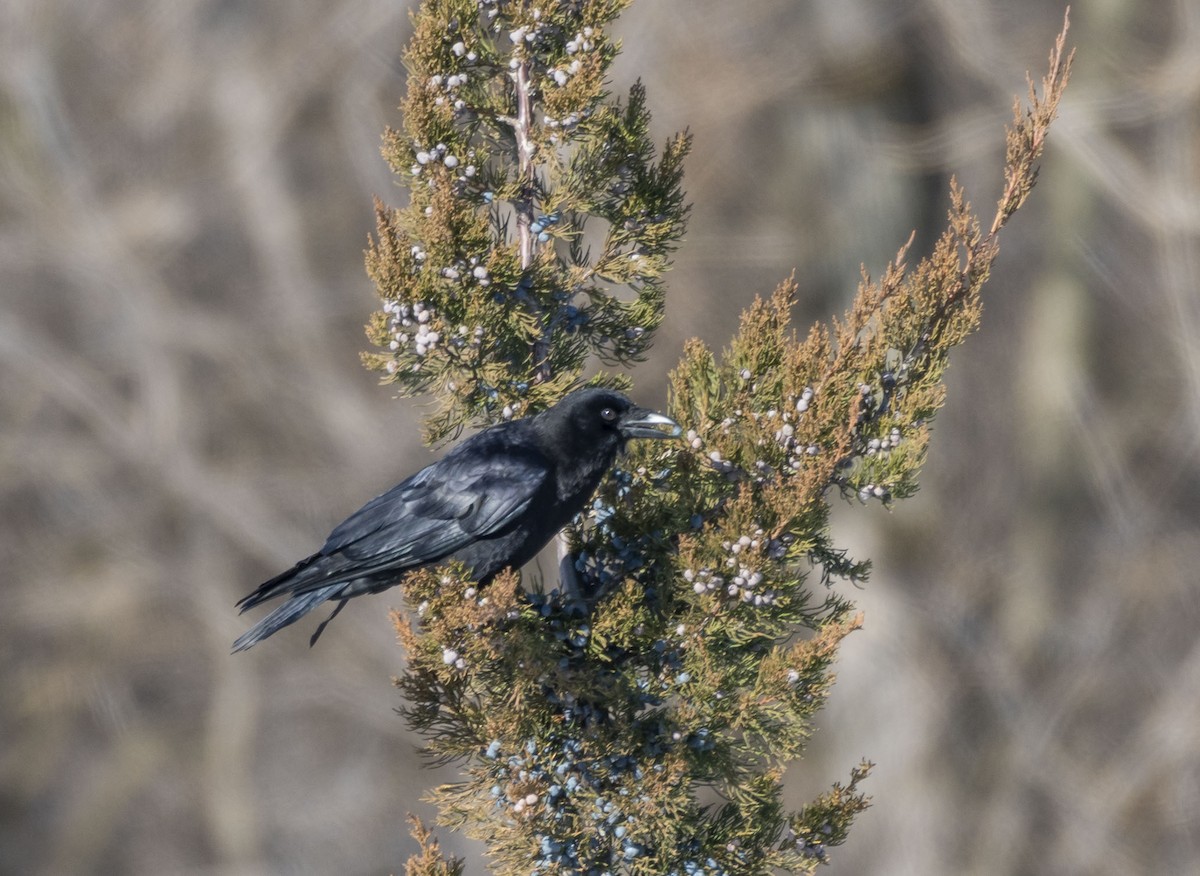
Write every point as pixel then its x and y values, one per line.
pixel 643 423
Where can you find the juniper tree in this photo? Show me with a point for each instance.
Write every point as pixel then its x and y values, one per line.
pixel 640 720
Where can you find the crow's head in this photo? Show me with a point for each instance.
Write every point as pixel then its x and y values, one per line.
pixel 606 419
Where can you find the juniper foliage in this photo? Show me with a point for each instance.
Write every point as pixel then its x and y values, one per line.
pixel 647 730
pixel 512 147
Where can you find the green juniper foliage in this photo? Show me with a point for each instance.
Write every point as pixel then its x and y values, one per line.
pixel 492 294
pixel 645 727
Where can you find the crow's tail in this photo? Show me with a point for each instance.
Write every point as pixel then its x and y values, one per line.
pixel 284 582
pixel 288 613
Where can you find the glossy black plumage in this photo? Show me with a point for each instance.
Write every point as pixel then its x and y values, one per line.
pixel 491 503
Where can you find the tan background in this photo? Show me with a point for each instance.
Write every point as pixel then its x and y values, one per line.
pixel 185 192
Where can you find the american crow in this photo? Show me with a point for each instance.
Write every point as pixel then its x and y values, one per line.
pixel 491 503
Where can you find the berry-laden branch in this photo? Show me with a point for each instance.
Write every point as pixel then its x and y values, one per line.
pixel 491 296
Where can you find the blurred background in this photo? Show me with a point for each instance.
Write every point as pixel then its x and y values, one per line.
pixel 185 194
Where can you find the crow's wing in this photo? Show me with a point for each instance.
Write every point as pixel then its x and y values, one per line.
pixel 466 496
pixel 482 486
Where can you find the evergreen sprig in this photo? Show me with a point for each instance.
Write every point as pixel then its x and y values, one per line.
pixel 431 861
pixel 519 164
pixel 642 724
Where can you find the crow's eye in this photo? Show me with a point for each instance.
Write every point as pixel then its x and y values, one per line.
pixel 608 415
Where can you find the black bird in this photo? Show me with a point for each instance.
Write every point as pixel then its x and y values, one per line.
pixel 491 503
